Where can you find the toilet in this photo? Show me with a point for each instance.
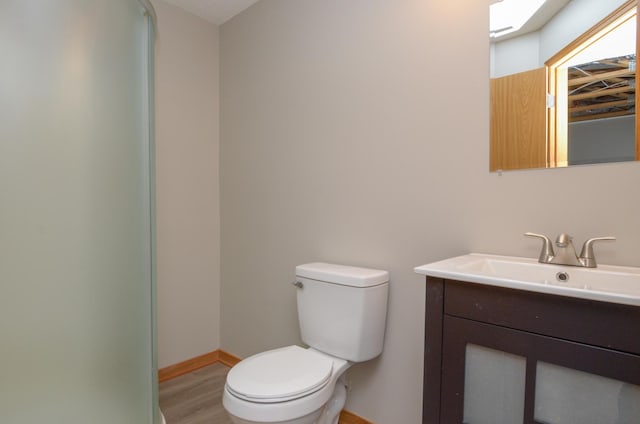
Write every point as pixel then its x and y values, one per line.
pixel 342 313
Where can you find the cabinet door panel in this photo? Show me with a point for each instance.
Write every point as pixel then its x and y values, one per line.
pixel 460 333
pixel 565 396
pixel 493 386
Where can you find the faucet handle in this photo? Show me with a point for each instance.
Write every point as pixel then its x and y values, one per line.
pixel 587 256
pixel 547 253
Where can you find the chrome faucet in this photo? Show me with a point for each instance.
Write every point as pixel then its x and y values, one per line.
pixel 566 251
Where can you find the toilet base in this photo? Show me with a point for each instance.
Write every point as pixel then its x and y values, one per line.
pixel 311 418
pixel 331 412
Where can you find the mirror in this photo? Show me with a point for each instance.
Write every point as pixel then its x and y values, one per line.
pixel 559 96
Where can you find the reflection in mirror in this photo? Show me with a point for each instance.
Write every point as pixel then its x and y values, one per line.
pixel 560 94
pixel 596 74
pixel 604 88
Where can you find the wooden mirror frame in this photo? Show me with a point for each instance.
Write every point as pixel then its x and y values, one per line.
pixel 558 116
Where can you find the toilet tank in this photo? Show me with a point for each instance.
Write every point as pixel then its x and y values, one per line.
pixel 342 310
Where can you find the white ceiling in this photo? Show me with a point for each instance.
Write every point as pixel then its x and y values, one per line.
pixel 220 11
pixel 547 11
pixel 216 11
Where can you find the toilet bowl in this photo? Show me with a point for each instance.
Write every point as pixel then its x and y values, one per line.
pixel 342 315
pixel 289 385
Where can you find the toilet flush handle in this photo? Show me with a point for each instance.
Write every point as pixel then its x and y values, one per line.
pixel 298 284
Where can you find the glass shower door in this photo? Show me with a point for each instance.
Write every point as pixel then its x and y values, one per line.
pixel 76 328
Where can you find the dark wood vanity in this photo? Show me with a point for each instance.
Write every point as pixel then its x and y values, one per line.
pixel 590 337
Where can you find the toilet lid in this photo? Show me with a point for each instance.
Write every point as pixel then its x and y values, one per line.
pixel 279 375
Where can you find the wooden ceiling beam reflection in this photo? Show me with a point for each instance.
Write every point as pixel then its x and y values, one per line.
pixel 602 89
pixel 602 92
pixel 600 106
pixel 601 76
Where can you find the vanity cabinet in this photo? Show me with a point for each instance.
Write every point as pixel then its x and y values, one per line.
pixel 497 355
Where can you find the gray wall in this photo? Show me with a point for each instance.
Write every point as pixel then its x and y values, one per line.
pixel 602 140
pixel 188 210
pixel 358 133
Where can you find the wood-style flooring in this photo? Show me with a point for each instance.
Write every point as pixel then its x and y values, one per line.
pixel 195 398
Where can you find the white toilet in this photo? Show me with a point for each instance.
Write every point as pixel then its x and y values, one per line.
pixel 342 312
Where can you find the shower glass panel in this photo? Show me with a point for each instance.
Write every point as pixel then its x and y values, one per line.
pixel 76 290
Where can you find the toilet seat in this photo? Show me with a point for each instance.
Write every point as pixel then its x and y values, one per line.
pixel 279 375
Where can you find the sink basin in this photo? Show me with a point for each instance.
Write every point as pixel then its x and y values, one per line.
pixel 605 283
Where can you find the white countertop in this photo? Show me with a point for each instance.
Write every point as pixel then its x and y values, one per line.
pixel 605 283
